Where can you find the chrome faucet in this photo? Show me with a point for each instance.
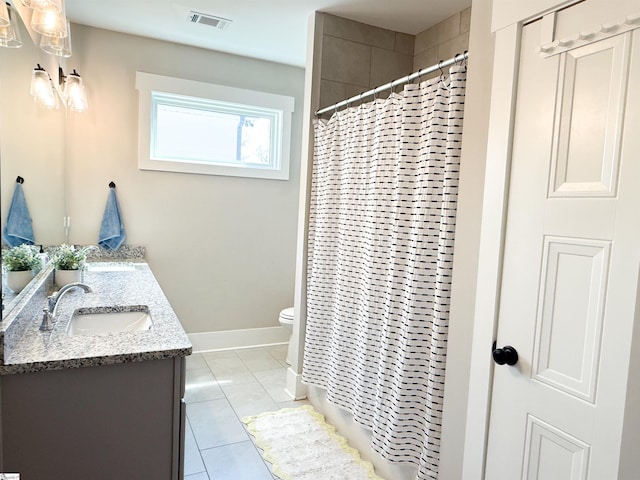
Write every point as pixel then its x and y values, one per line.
pixel 49 312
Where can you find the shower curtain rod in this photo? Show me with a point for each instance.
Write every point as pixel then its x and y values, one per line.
pixel 440 65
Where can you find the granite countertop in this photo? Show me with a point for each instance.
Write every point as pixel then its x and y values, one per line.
pixel 114 284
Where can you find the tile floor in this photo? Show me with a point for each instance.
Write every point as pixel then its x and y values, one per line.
pixel 221 388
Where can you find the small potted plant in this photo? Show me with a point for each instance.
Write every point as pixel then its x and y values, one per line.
pixel 68 262
pixel 21 262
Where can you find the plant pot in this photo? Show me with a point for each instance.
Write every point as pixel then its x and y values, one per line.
pixel 63 277
pixel 16 281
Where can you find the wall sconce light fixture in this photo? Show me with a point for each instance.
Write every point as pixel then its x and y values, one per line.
pixel 46 95
pixel 59 46
pixel 42 4
pixel 74 94
pixel 42 89
pixel 50 21
pixel 10 34
pixel 5 21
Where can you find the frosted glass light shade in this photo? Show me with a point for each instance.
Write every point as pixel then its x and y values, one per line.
pixel 60 46
pixel 5 21
pixel 10 35
pixel 75 93
pixel 50 22
pixel 42 4
pixel 42 89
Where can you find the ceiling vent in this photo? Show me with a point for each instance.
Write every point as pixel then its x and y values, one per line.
pixel 204 19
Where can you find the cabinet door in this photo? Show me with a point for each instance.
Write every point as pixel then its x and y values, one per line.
pixel 98 423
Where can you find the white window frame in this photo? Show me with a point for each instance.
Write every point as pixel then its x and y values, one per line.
pixel 147 84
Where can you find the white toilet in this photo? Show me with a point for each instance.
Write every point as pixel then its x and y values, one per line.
pixel 286 320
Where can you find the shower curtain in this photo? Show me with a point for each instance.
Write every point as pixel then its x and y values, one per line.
pixel 381 231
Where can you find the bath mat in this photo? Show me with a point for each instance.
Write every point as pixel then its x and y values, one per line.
pixel 302 446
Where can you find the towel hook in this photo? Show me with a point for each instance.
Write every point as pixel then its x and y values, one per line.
pixel 112 185
pixel 20 180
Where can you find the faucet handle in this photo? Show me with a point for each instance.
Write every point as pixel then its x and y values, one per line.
pixel 47 320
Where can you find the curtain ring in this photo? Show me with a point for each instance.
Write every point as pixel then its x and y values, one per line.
pixel 375 95
pixel 440 68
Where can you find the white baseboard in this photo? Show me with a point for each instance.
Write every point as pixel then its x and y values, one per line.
pixel 232 339
pixel 295 388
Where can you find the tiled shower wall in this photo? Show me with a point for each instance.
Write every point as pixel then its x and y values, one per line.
pixel 357 57
pixel 443 40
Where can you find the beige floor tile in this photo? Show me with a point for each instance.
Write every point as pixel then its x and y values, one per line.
pixel 228 369
pixel 279 352
pixel 215 423
pixel 197 476
pixel 249 399
pixel 201 385
pixel 258 359
pixel 195 361
pixel 274 382
pixel 235 462
pixel 192 460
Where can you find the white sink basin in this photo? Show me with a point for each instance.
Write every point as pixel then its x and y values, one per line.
pixel 106 320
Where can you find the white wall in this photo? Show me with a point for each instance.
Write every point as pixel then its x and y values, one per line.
pixel 222 248
pixel 465 259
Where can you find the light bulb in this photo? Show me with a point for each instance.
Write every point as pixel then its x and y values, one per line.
pixel 10 35
pixel 43 4
pixel 74 93
pixel 50 22
pixel 60 46
pixel 42 89
pixel 5 21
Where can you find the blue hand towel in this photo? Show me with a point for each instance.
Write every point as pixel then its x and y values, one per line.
pixel 111 230
pixel 18 229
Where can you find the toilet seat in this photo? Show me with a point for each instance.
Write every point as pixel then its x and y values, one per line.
pixel 286 315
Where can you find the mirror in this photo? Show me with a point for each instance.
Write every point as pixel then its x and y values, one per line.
pixel 32 145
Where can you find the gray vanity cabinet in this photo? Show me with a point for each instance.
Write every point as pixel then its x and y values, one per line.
pixel 121 421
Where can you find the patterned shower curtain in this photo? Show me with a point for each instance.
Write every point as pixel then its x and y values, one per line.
pixel 381 232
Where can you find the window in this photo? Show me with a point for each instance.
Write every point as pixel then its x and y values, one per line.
pixel 195 127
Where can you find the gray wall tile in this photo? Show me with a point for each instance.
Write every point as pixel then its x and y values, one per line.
pixel 425 40
pixel 331 92
pixel 345 61
pixel 443 40
pixel 388 66
pixel 465 20
pixel 451 47
pixel 353 90
pixel 448 28
pixel 405 43
pixel 359 32
pixel 426 59
pixel 357 57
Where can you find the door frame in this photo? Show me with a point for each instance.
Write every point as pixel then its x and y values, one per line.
pixel 508 18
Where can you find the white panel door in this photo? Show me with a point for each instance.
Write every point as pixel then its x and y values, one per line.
pixel 571 252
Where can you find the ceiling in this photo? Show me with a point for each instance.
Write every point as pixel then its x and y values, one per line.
pixel 274 30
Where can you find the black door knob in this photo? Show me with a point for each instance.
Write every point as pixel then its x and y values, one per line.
pixel 506 354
